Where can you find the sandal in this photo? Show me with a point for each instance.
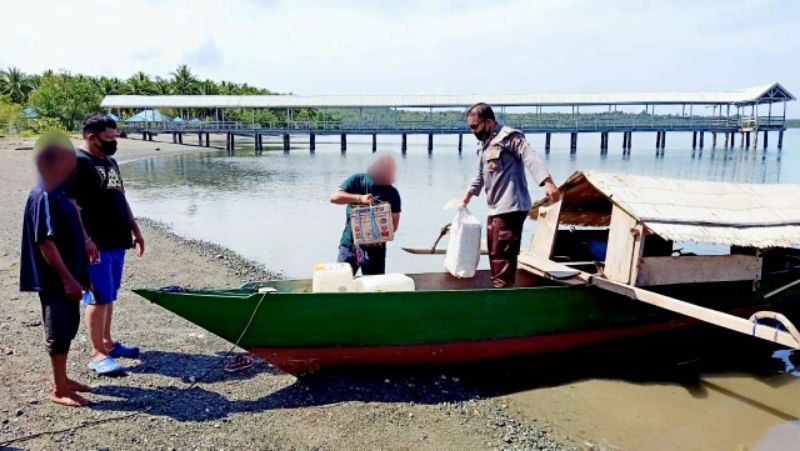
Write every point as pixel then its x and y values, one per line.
pixel 239 363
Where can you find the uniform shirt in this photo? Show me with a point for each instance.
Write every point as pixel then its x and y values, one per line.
pixel 51 216
pixel 362 184
pixel 503 158
pixel 101 195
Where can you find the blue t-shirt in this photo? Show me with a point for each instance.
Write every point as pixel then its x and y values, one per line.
pixel 363 184
pixel 51 216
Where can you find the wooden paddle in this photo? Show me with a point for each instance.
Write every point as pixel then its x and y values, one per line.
pixel 433 251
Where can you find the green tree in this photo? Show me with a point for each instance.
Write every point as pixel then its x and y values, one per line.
pixel 183 80
pixel 66 98
pixel 15 84
pixel 139 84
pixel 10 115
pixel 109 86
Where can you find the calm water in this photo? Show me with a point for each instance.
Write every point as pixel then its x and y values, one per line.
pixel 274 208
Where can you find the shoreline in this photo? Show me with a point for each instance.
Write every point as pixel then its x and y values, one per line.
pixel 248 270
pixel 257 408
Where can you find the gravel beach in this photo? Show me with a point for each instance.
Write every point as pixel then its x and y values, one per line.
pixel 176 396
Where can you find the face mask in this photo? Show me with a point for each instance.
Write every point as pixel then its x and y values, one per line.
pixel 107 147
pixel 482 135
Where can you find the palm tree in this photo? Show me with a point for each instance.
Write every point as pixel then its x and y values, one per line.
pixel 110 86
pixel 15 84
pixel 162 87
pixel 139 84
pixel 183 80
pixel 207 88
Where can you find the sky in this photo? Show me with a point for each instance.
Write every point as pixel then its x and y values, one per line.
pixel 418 47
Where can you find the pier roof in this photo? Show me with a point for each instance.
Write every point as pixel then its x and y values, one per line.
pixel 759 94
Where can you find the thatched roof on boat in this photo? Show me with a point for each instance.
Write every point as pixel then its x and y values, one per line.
pixel 751 215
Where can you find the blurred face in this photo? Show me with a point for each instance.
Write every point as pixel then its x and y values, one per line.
pixel 481 128
pixel 56 165
pixel 383 171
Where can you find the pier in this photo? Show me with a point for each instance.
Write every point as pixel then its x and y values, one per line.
pixel 745 114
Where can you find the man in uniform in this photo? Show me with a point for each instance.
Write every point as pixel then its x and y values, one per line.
pixel 503 156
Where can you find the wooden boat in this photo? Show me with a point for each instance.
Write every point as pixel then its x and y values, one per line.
pixel 556 305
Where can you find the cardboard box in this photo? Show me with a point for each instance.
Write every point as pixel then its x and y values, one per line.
pixel 361 223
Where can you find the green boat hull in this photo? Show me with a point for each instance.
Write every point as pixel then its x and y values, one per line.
pixel 301 331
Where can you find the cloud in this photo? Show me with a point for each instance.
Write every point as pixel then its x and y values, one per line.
pixel 147 53
pixel 416 46
pixel 205 56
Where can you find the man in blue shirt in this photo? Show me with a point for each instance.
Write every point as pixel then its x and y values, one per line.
pixel 375 185
pixel 53 259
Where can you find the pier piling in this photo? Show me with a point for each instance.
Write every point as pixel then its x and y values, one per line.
pixel 430 143
pixel 374 142
pixel 714 140
pixel 727 137
pixel 404 142
pixel 702 133
pixel 766 139
pixel 208 140
pixel 344 142
pixel 780 140
pixel 286 142
pixel 747 139
pixel 200 139
pixel 312 142
pixel 694 140
pixel 573 142
pixel 460 142
pixel 547 142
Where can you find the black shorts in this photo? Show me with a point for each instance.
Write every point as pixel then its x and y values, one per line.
pixel 375 259
pixel 61 318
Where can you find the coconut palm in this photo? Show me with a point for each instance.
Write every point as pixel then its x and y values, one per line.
pixel 183 80
pixel 110 86
pixel 139 84
pixel 15 84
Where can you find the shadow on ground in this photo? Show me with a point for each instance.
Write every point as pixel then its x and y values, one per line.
pixel 670 358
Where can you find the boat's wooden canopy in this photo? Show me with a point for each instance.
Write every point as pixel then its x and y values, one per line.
pixel 749 215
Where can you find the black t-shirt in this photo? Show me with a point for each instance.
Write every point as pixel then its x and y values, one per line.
pixel 101 196
pixel 362 184
pixel 51 216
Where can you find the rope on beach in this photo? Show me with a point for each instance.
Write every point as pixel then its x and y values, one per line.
pixel 179 395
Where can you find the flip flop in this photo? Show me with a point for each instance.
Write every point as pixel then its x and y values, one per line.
pixel 120 350
pixel 239 363
pixel 106 367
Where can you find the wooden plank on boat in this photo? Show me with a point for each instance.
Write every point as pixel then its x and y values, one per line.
pixel 546 230
pixel 549 269
pixel 711 316
pixel 698 269
pixel 625 238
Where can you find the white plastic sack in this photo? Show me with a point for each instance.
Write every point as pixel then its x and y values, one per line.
pixel 464 247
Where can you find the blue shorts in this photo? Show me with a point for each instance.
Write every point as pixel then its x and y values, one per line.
pixel 106 276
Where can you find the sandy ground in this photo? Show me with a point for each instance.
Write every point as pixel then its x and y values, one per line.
pixel 687 391
pixel 260 408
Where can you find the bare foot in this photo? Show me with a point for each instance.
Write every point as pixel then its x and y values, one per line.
pixel 74 386
pixel 78 387
pixel 68 398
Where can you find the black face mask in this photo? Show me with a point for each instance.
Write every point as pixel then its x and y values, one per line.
pixel 107 148
pixel 482 135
